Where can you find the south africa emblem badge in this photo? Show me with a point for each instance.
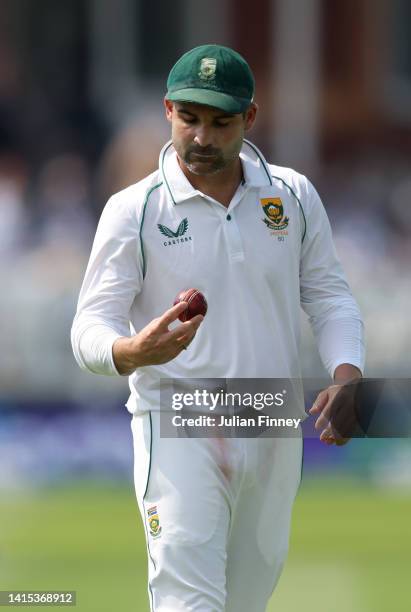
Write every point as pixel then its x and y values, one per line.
pixel 208 69
pixel 274 215
pixel 153 522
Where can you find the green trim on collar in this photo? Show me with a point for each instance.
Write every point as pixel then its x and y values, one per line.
pixel 260 157
pixel 142 223
pixel 245 141
pixel 164 174
pixel 299 203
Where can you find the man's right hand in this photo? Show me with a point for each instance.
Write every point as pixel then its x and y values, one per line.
pixel 155 343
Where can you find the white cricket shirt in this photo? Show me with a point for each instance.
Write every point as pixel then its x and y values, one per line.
pixel 256 262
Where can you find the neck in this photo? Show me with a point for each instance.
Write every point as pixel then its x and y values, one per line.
pixel 221 186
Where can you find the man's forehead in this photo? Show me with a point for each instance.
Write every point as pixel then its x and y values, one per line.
pixel 195 109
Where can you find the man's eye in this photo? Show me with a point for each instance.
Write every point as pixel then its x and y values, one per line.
pixel 219 124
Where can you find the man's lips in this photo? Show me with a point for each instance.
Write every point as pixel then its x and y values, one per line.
pixel 203 155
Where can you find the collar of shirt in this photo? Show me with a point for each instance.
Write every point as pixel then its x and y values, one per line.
pixel 255 170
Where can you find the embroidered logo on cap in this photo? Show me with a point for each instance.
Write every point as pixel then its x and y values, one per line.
pixel 208 67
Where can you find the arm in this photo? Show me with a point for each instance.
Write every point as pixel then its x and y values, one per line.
pixel 100 333
pixel 346 372
pixel 325 295
pixel 333 313
pixel 113 277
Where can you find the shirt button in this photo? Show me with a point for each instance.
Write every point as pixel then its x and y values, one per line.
pixel 228 217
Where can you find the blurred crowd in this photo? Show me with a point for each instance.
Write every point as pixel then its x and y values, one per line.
pixel 59 163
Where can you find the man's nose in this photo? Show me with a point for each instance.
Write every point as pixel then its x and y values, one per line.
pixel 203 137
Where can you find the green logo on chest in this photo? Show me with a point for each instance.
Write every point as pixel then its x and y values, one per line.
pixel 181 230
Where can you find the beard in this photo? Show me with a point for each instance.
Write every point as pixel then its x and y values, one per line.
pixel 207 160
pixel 212 162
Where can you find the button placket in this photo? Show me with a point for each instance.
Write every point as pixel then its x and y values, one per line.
pixel 231 230
pixel 233 236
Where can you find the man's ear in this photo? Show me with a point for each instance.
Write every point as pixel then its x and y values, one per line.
pixel 168 105
pixel 250 116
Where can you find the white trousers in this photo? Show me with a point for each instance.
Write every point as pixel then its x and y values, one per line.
pixel 216 513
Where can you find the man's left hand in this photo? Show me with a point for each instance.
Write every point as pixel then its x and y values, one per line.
pixel 336 407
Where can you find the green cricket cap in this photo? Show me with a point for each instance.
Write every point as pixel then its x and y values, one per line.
pixel 212 75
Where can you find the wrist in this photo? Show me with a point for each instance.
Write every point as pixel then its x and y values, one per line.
pixel 345 373
pixel 124 356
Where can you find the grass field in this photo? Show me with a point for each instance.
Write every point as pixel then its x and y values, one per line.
pixel 350 548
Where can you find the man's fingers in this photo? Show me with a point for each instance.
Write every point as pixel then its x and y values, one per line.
pixel 171 315
pixel 324 406
pixel 329 436
pixel 324 419
pixel 196 321
pixel 320 403
pixel 173 341
pixel 186 331
pixel 193 324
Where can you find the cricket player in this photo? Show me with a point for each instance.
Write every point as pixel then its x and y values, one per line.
pixel 254 238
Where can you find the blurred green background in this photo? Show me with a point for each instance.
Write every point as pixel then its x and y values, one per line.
pixel 348 547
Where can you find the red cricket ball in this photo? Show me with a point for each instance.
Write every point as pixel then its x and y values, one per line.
pixel 197 304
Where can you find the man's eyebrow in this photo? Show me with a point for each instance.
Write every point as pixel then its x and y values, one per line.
pixel 224 116
pixel 184 110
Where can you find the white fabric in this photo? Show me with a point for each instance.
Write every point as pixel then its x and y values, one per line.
pixel 224 509
pixel 254 281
